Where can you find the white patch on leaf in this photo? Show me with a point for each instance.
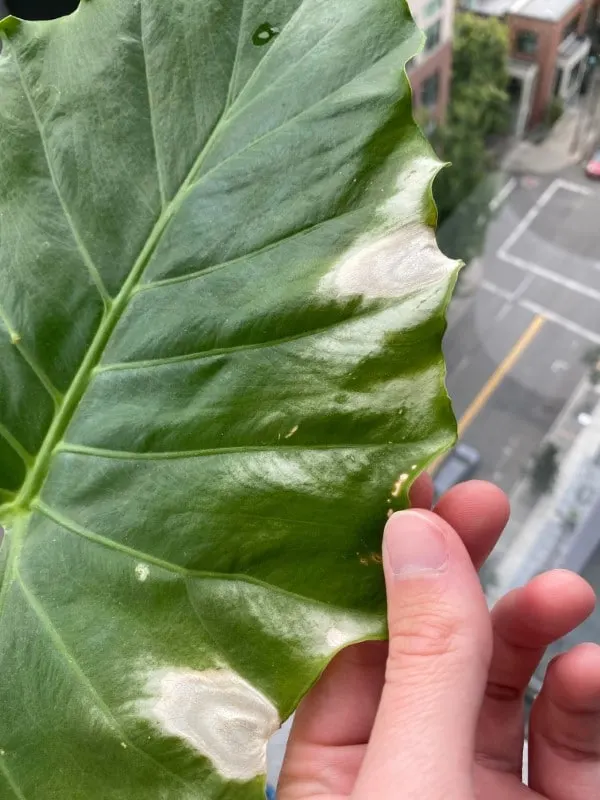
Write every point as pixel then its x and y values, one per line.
pixel 218 713
pixel 389 265
pixel 336 637
pixel 401 254
pixel 142 571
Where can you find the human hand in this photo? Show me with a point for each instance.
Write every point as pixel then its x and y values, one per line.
pixel 438 715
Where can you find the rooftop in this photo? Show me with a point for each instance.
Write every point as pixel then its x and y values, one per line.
pixel 550 10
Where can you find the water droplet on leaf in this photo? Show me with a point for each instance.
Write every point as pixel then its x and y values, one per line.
pixel 263 34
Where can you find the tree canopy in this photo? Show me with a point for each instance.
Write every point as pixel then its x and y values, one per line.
pixel 478 110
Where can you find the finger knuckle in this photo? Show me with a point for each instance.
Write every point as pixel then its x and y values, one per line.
pixel 425 634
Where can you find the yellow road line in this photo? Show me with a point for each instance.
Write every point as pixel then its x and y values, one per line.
pixel 496 379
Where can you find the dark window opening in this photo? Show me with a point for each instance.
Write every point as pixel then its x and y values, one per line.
pixel 41 9
pixel 572 27
pixel 430 90
pixel 433 35
pixel 527 43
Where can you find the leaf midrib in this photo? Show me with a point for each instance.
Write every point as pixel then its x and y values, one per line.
pixel 114 310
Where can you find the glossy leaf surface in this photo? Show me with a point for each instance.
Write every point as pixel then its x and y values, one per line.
pixel 221 308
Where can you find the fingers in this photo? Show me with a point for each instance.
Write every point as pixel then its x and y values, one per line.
pixel 325 716
pixel 439 650
pixel 421 492
pixel 564 742
pixel 479 511
pixel 524 622
pixel 359 670
pixel 333 723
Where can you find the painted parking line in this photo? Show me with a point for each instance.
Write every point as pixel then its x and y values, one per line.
pixel 536 308
pixel 503 194
pixel 549 275
pixel 500 373
pixel 497 290
pixel 530 266
pixel 563 322
pixel 535 209
pixel 574 187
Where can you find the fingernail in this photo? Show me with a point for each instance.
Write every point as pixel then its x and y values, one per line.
pixel 415 544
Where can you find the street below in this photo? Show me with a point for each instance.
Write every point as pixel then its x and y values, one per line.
pixel 518 337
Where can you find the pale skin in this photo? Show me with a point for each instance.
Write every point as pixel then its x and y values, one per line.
pixel 438 715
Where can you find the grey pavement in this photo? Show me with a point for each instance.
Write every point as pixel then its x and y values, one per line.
pixel 542 258
pixel 554 153
pixel 570 140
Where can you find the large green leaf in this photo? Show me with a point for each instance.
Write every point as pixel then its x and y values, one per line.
pixel 220 366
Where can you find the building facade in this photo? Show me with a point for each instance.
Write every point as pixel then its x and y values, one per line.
pixel 553 40
pixel 430 72
pixel 550 43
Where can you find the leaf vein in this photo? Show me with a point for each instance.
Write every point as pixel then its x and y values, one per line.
pixel 10 780
pixel 59 644
pixel 16 445
pixel 284 73
pixel 37 369
pixel 187 574
pixel 190 276
pixel 240 348
pixel 6 496
pixel 125 455
pixel 226 120
pixel 236 61
pixel 152 112
pixel 86 258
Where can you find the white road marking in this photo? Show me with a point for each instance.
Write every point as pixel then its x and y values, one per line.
pixel 523 286
pixel 574 187
pixel 503 194
pixel 493 289
pixel 536 308
pixel 529 266
pixel 504 311
pixel 567 324
pixel 535 209
pixel 550 275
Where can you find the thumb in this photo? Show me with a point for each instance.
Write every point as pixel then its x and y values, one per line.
pixel 422 741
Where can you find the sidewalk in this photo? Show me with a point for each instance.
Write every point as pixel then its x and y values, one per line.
pixel 531 516
pixel 554 153
pixel 571 139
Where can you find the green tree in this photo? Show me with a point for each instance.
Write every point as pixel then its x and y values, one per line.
pixel 479 75
pixel 479 109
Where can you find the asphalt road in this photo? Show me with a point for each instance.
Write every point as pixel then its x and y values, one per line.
pixel 515 352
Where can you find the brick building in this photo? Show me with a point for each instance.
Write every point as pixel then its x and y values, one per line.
pixel 550 43
pixel 430 72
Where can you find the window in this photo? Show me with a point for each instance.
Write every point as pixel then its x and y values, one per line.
pixel 433 6
pixel 433 34
pixel 574 76
pixel 572 27
pixel 527 43
pixel 430 90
